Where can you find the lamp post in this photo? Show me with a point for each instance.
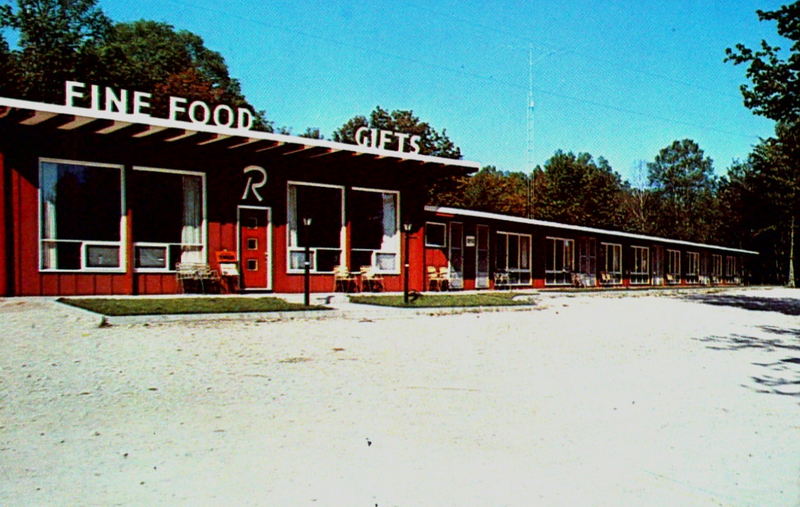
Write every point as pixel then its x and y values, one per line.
pixel 306 263
pixel 407 230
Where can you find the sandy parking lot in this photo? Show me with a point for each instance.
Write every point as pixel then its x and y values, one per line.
pixel 587 400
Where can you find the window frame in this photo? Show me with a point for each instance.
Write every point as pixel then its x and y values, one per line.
pixel 716 267
pixel 444 236
pixel 563 276
pixel 615 276
pixel 382 251
pixel 516 275
pixel 640 277
pixel 676 270
pixel 203 223
pixel 290 250
pixel 692 275
pixel 123 229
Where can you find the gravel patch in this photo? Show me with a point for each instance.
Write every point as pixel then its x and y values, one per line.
pixel 640 399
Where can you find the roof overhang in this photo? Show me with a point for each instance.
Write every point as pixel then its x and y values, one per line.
pixel 446 211
pixel 137 126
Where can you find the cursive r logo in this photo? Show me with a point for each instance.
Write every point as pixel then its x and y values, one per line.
pixel 254 185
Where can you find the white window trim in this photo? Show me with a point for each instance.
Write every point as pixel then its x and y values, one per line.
pixel 123 229
pixel 433 245
pixel 529 270
pixel 616 275
pixel 637 250
pixel 396 251
pixel 567 281
pixel 203 223
pixel 313 251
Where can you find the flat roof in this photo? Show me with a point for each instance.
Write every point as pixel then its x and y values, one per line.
pixel 557 225
pixel 104 122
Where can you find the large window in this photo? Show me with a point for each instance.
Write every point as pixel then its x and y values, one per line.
pixel 82 217
pixel 513 257
pixel 374 234
pixel 692 267
pixel 730 268
pixel 640 273
pixel 673 266
pixel 323 204
pixel 716 268
pixel 559 262
pixel 168 218
pixel 612 263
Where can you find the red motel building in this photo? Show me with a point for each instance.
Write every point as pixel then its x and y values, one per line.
pixel 99 197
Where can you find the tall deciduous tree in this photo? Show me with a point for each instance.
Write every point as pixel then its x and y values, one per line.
pixel 73 40
pixel 774 92
pixel 682 178
pixel 432 142
pixel 775 82
pixel 576 189
pixel 58 41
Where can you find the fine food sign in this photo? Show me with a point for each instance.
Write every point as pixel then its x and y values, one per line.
pixel 111 100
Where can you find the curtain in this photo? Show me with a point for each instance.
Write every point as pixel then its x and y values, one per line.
pixel 49 177
pixel 390 230
pixel 191 234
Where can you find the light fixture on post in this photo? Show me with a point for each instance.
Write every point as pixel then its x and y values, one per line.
pixel 306 262
pixel 407 229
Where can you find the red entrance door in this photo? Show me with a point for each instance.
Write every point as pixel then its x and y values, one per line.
pixel 254 248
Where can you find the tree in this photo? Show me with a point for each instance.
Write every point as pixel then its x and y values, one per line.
pixel 683 181
pixel 432 142
pixel 576 189
pixel 492 190
pixel 775 89
pixel 73 40
pixel 775 93
pixel 639 202
pixel 58 41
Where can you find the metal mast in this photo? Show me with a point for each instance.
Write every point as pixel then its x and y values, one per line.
pixel 529 112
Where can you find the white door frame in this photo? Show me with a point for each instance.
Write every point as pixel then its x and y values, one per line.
pixel 482 276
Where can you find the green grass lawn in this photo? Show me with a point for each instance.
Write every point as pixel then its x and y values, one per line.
pixel 446 300
pixel 183 305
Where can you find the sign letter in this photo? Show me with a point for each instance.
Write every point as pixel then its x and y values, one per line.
pixel 73 92
pixel 253 185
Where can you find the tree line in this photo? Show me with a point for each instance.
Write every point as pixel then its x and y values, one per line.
pixel 754 205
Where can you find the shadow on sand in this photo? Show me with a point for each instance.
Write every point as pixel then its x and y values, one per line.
pixel 781 376
pixel 786 306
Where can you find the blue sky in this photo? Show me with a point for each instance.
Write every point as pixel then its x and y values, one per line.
pixel 617 79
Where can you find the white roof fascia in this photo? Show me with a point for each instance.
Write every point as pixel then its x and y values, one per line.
pixel 545 223
pixel 226 131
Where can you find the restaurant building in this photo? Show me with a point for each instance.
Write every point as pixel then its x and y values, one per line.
pixel 97 196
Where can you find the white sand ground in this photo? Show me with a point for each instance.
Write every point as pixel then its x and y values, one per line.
pixel 589 400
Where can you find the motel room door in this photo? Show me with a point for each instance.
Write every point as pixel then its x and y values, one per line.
pixel 482 257
pixel 255 256
pixel 456 255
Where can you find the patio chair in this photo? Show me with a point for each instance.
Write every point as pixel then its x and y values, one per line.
pixel 434 280
pixel 342 278
pixel 444 278
pixel 501 280
pixel 370 280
